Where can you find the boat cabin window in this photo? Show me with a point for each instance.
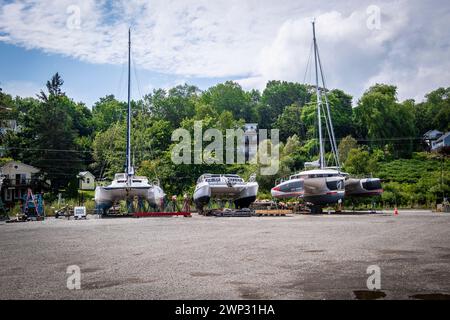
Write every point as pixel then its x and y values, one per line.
pixel 320 175
pixel 216 178
pixel 119 176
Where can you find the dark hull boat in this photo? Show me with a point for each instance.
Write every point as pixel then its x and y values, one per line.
pixel 319 187
pixel 324 186
pixel 366 187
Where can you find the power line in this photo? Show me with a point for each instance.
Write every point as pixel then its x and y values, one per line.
pixel 50 150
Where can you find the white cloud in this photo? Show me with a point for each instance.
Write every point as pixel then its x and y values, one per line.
pixel 253 41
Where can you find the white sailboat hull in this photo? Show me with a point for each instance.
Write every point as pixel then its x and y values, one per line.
pixel 242 194
pixel 127 186
pixel 105 197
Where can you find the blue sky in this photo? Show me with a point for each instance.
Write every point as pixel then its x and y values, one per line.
pixel 203 42
pixel 25 71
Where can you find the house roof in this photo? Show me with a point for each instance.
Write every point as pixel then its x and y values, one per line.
pixel 9 163
pixel 444 136
pixel 432 133
pixel 85 173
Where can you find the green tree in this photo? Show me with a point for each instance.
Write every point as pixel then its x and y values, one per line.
pixel 382 120
pixel 107 111
pixel 341 112
pixel 48 135
pixel 230 96
pixel 434 112
pixel 276 97
pixel 360 162
pixel 173 105
pixel 54 86
pixel 7 111
pixel 346 144
pixel 290 123
pixel 109 151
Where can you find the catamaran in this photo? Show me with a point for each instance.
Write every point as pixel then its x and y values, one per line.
pixel 127 186
pixel 324 185
pixel 225 187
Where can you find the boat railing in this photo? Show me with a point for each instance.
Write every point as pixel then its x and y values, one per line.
pixel 252 178
pixel 221 180
pixel 282 179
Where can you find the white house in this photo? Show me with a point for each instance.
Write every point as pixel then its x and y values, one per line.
pixel 87 180
pixel 251 140
pixel 430 136
pixel 17 178
pixel 442 142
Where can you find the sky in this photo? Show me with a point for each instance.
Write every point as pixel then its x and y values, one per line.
pixel 205 42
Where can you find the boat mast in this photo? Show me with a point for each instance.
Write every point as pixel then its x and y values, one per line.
pixel 129 168
pixel 332 136
pixel 319 102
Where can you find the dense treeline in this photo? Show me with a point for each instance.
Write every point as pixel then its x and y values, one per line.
pixel 62 136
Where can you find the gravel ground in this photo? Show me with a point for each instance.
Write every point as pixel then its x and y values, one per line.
pixel 297 257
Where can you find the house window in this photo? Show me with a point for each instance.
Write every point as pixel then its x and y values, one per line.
pixel 8 195
pixel 17 194
pixel 88 180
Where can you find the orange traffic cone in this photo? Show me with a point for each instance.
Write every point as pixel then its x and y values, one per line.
pixel 395 211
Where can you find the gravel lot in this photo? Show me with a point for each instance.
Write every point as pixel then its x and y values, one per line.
pixel 297 257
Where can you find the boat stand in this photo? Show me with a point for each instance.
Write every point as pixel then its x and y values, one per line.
pixel 229 212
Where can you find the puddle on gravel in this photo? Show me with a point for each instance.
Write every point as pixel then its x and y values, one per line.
pixel 431 296
pixel 249 293
pixel 369 294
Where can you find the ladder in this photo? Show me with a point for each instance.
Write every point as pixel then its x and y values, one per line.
pixel 32 201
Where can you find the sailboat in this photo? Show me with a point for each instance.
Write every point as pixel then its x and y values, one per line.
pixel 366 187
pixel 127 186
pixel 322 186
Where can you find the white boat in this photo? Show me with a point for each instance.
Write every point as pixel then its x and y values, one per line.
pixel 321 186
pixel 127 186
pixel 123 188
pixel 225 187
pixel 324 185
pixel 289 188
